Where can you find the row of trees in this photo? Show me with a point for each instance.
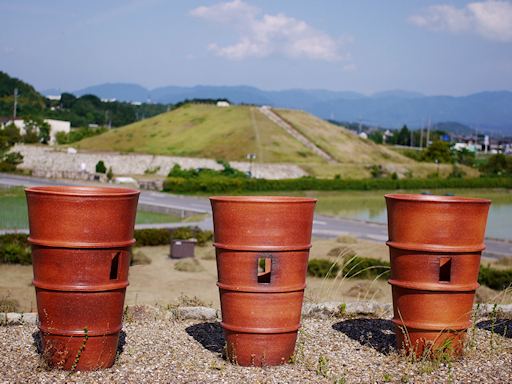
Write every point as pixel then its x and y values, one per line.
pixel 89 109
pixel 80 111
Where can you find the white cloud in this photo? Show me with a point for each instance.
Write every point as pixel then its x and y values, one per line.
pixel 265 35
pixel 226 12
pixel 491 19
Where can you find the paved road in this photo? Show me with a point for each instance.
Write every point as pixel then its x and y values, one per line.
pixel 323 225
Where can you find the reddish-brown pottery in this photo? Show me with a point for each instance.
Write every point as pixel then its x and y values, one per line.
pixel 262 245
pixel 435 244
pixel 81 239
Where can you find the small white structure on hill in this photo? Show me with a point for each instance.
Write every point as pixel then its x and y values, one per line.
pixel 363 135
pixel 223 104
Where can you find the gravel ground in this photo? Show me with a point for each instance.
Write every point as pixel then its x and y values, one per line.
pixel 157 348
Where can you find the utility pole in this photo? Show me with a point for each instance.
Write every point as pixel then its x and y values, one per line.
pixel 428 133
pixel 15 104
pixel 421 138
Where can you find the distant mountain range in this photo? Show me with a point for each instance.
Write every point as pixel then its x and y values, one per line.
pixel 484 111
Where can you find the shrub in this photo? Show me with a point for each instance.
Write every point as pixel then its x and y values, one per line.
pixel 139 258
pixel 184 233
pixel 223 184
pixel 357 267
pixel 377 171
pixel 10 161
pixel 110 174
pixel 457 172
pixel 78 134
pixel 152 236
pixel 8 305
pixel 366 268
pixel 14 249
pixel 323 268
pixel 15 254
pixel 497 165
pixel 495 278
pixel 188 265
pixel 162 236
pixel 438 151
pixel 100 167
pixel 205 173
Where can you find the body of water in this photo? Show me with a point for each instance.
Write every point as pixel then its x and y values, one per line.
pixel 499 223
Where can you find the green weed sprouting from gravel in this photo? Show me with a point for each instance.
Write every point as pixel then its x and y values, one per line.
pixel 494 316
pixel 80 350
pixel 322 368
pixel 298 354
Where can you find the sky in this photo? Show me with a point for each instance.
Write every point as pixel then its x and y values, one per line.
pixel 433 47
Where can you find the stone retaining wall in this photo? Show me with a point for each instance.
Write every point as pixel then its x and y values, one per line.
pixel 57 163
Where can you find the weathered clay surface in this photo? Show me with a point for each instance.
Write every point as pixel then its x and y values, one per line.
pixel 435 244
pixel 81 240
pixel 261 309
pixel 309 310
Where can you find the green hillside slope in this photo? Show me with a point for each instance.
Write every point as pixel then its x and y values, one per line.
pixel 201 130
pixel 338 142
pixel 205 130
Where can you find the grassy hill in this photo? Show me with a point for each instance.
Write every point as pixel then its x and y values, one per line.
pixel 202 130
pixel 338 142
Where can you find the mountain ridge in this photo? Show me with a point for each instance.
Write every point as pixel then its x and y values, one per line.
pixel 487 110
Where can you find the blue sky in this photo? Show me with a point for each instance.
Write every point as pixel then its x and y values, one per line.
pixel 434 47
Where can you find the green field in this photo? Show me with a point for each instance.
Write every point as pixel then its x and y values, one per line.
pixel 13 211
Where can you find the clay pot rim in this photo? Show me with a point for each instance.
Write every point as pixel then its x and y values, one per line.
pixel 263 199
pixel 435 198
pixel 82 191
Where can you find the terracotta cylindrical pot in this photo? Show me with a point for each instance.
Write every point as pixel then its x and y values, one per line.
pixel 81 239
pixel 261 310
pixel 435 244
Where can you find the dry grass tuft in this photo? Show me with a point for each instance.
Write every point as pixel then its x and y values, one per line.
pixel 139 258
pixel 188 265
pixel 346 239
pixel 8 305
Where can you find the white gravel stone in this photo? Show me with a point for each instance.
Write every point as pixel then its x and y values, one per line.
pixel 350 349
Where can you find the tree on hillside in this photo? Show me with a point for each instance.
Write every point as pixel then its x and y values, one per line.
pixel 11 134
pixel 9 160
pixel 36 131
pixel 29 101
pixel 67 100
pixel 376 137
pixel 438 151
pixel 44 132
pixel 403 137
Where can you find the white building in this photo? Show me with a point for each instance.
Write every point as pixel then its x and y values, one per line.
pixel 223 104
pixel 55 126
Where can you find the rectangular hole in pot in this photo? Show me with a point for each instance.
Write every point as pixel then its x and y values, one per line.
pixel 114 267
pixel 264 270
pixel 445 269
